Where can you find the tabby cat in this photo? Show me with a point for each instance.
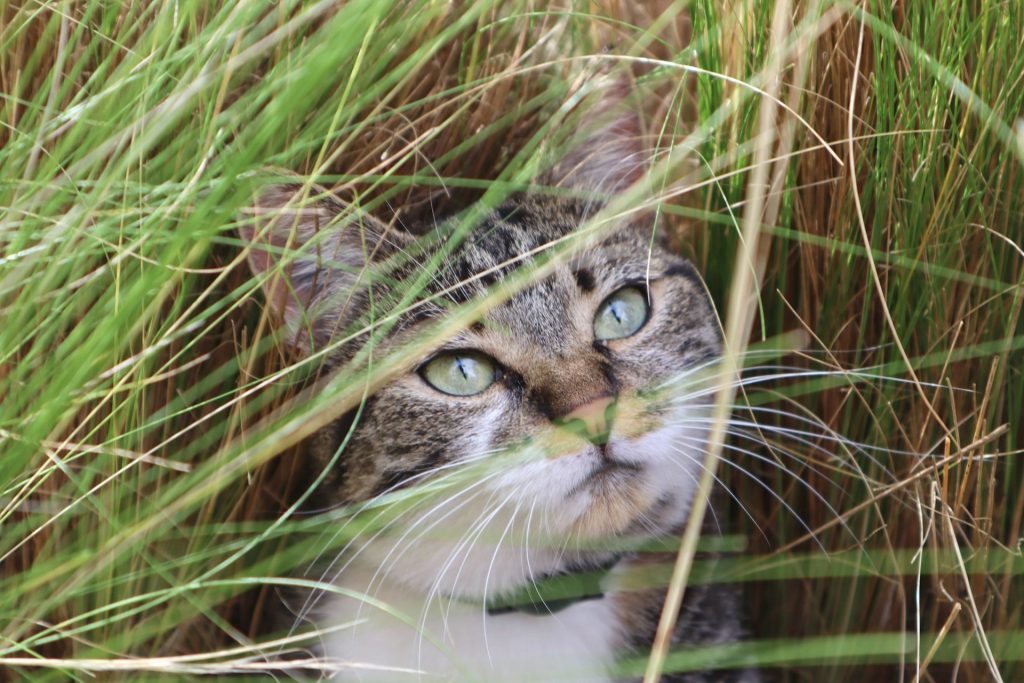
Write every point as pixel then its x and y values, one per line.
pixel 535 445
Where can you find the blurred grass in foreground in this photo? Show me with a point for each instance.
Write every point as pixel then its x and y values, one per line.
pixel 146 429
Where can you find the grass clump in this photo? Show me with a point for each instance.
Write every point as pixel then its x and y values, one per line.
pixel 148 419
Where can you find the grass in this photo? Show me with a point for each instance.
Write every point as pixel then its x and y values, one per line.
pixel 148 421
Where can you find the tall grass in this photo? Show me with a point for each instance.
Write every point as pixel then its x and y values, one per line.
pixel 149 420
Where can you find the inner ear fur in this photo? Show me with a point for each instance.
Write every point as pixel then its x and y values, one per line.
pixel 312 253
pixel 606 154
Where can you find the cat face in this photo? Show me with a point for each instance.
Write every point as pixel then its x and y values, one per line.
pixel 549 426
pixel 538 437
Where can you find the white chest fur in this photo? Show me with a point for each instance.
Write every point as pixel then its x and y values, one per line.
pixel 460 642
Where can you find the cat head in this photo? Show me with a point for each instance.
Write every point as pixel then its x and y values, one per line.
pixel 545 424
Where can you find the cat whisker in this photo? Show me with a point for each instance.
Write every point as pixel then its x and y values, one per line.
pixel 752 430
pixel 703 384
pixel 430 527
pixel 467 537
pixel 467 542
pixel 788 472
pixel 805 437
pixel 385 506
pixel 371 590
pixel 490 571
pixel 525 546
pixel 362 509
pixel 699 462
pixel 470 538
pixel 828 433
pixel 383 499
pixel 760 483
pixel 351 557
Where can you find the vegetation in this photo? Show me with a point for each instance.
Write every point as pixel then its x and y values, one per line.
pixel 860 165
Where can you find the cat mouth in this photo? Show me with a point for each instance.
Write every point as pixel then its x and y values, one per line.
pixel 607 471
pixel 609 467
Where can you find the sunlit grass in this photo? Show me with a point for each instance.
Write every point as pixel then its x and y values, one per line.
pixel 149 419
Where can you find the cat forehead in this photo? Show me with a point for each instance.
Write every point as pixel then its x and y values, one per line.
pixel 520 228
pixel 522 233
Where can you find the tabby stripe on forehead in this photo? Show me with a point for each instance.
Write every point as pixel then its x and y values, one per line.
pixel 685 270
pixel 585 280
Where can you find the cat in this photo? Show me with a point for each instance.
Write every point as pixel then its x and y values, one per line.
pixel 535 442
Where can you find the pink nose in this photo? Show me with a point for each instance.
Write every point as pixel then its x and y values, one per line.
pixel 592 420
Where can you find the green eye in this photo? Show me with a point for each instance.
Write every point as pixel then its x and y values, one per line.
pixel 621 314
pixel 460 373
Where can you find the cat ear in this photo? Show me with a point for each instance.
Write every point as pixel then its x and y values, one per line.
pixel 312 254
pixel 606 154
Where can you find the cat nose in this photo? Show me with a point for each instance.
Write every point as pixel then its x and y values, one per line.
pixel 592 420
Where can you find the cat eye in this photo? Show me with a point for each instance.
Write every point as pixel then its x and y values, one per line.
pixel 621 314
pixel 460 373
